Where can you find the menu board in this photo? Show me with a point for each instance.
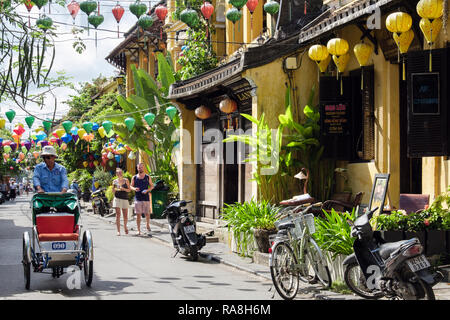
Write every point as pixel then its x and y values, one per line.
pixel 335 118
pixel 425 91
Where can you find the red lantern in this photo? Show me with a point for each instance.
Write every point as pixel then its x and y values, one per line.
pixel 161 12
pixel 207 10
pixel 73 8
pixel 251 5
pixel 228 106
pixel 118 11
pixel 29 6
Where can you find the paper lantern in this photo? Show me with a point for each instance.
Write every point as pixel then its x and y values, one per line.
pixel 323 65
pixel 107 125
pixel 88 126
pixel 73 8
pixel 19 130
pixel 29 120
pixel 118 12
pixel 35 154
pixel 207 10
pixel 189 17
pixel 319 53
pixel 47 124
pixel 60 132
pixel 271 7
pixel 399 23
pixel 171 112
pixel 228 106
pixel 95 126
pixel 138 8
pixel 363 52
pixel 64 146
pixel 67 125
pixel 66 138
pixel 75 138
pixel 88 137
pixel 431 12
pixel 81 132
pixel 338 48
pixel 85 164
pixel 10 114
pixel 129 122
pixel 2 123
pixel 149 118
pixel 13 146
pixel 132 155
pixel 203 112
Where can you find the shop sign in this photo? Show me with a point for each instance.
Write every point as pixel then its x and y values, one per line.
pixel 425 93
pixel 335 118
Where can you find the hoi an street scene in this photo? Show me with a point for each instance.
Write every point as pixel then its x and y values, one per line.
pixel 224 151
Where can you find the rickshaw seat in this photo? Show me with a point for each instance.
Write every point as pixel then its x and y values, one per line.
pixel 56 227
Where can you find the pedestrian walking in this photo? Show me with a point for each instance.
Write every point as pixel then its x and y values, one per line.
pixel 142 184
pixel 121 188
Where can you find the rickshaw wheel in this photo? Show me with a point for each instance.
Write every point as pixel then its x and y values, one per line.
pixel 88 265
pixel 26 260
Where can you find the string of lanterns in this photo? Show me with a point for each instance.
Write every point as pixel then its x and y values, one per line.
pixel 399 24
pixel 62 136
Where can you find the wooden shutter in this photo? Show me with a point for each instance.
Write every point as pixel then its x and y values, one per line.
pixel 427 123
pixel 368 118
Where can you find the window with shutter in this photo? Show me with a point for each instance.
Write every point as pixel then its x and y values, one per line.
pixel 427 104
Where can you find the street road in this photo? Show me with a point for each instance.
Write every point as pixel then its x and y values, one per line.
pixel 125 267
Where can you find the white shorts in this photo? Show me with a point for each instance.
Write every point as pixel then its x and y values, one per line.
pixel 120 203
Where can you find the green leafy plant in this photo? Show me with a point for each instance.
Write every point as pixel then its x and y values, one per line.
pixel 333 232
pixel 102 177
pixel 85 181
pixel 243 218
pixel 397 220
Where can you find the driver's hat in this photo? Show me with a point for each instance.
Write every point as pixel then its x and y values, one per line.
pixel 49 151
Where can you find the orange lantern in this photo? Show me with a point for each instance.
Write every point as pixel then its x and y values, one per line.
pixel 203 112
pixel 228 106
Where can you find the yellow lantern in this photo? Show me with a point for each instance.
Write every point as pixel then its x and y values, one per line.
pixel 363 52
pixel 203 112
pixel 338 48
pixel 431 12
pixel 2 123
pixel 400 23
pixel 323 65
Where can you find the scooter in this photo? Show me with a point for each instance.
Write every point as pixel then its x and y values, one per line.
pixel 396 270
pixel 182 229
pixel 100 202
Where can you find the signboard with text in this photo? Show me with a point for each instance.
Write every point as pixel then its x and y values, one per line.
pixel 335 118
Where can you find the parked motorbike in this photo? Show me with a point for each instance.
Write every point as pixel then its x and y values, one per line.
pixel 183 229
pixel 396 270
pixel 2 198
pixel 100 202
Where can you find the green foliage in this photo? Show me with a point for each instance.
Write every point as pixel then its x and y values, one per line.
pixel 333 233
pixel 85 181
pixel 397 220
pixel 243 218
pixel 102 177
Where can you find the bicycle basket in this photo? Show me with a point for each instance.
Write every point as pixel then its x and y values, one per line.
pixel 301 221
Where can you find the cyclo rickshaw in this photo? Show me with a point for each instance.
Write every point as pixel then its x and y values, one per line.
pixel 57 240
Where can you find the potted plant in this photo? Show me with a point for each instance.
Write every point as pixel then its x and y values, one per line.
pixel 249 222
pixel 85 185
pixel 392 226
pixel 416 227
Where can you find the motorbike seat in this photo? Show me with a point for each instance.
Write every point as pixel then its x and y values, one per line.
pixel 285 226
pixel 387 248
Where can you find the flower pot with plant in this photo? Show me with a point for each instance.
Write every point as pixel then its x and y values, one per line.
pixel 85 182
pixel 392 226
pixel 416 227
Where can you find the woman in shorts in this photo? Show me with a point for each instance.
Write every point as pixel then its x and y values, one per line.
pixel 121 188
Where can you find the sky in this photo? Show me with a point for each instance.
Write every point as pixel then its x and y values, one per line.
pixel 80 67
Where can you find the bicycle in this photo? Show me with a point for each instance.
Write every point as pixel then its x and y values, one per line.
pixel 296 256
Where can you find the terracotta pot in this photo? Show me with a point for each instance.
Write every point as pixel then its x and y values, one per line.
pixel 262 239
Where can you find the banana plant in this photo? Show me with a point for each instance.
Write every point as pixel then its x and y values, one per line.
pixel 155 140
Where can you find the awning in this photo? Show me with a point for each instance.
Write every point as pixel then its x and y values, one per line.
pixel 334 18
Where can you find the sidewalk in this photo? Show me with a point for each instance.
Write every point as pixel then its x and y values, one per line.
pixel 221 253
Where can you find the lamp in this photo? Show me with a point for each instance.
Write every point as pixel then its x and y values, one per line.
pixel 363 52
pixel 400 23
pixel 228 106
pixel 338 48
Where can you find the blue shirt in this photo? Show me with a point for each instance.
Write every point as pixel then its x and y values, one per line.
pixel 50 180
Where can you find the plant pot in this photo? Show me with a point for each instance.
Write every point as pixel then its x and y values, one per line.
pixel 416 234
pixel 336 266
pixel 392 235
pixel 435 242
pixel 262 239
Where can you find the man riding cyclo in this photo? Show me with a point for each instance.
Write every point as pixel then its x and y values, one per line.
pixel 50 176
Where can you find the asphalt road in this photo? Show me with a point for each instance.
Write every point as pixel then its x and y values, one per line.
pixel 125 267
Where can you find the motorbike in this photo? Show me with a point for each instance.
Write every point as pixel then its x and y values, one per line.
pixel 395 270
pixel 100 202
pixel 182 229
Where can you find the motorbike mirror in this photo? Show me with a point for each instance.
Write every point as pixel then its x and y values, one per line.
pixel 371 212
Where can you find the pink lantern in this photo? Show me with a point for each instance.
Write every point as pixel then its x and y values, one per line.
pixel 73 8
pixel 118 11
pixel 251 5
pixel 29 6
pixel 207 10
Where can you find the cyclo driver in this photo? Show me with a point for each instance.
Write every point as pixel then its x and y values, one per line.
pixel 50 176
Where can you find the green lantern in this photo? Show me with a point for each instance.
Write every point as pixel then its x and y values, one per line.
pixel 96 20
pixel 272 7
pixel 88 126
pixel 171 112
pixel 145 22
pixel 138 8
pixel 107 125
pixel 129 122
pixel 29 120
pixel 234 15
pixel 47 124
pixel 10 114
pixel 189 16
pixel 88 7
pixel 40 3
pixel 149 118
pixel 238 4
pixel 44 23
pixel 67 125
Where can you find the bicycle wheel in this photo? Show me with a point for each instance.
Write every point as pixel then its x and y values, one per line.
pixel 305 268
pixel 284 276
pixel 318 263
